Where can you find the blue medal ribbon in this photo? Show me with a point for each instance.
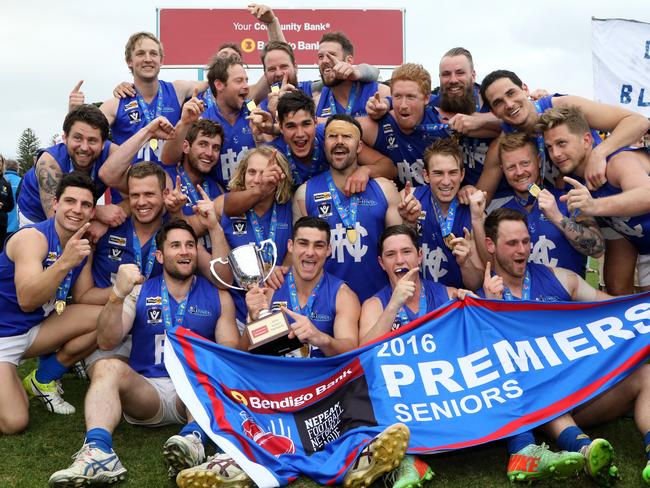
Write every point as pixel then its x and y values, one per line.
pixel 191 192
pixel 251 216
pixel 64 287
pixel 166 308
pixel 293 296
pixel 148 116
pixel 348 215
pixel 524 202
pixel 403 317
pixel 438 131
pixel 525 289
pixel 351 99
pixel 446 224
pixel 539 142
pixel 137 251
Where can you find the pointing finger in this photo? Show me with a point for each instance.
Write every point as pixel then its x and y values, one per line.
pixel 574 183
pixel 77 87
pixel 178 183
pixel 82 230
pixel 202 192
pixel 290 313
pixel 410 274
pixel 488 271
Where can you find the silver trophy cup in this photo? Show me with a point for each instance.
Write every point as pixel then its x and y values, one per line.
pixel 248 267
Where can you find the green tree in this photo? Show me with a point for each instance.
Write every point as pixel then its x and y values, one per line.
pixel 28 145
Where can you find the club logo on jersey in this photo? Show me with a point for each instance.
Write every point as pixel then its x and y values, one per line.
pixel 324 209
pixel 326 112
pixel 131 105
pixel 153 301
pixel 387 128
pixel 115 254
pixel 117 240
pixel 392 142
pixel 320 197
pixel 51 257
pixel 239 227
pixel 201 312
pixel 134 117
pixel 154 315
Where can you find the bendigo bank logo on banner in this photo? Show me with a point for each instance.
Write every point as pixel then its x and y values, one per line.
pixel 323 411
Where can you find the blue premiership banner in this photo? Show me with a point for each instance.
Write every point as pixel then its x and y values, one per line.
pixel 468 373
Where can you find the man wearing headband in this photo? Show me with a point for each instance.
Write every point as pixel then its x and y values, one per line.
pixel 356 220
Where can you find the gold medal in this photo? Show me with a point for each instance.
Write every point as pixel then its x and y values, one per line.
pixel 448 238
pixel 351 235
pixel 153 144
pixel 59 306
pixel 534 190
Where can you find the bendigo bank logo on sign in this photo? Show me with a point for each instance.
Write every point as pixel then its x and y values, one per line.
pixel 322 411
pixel 291 401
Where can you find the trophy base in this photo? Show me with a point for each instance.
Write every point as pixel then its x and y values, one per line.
pixel 270 336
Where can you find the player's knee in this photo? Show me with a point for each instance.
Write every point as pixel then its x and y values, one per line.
pixel 110 368
pixel 14 422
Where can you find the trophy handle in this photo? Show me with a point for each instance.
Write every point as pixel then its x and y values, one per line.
pixel 216 275
pixel 275 255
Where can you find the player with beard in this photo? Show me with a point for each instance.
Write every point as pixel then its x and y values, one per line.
pixel 459 104
pixel 559 237
pixel 41 265
pixel 302 139
pixel 142 389
pixel 621 203
pixel 404 132
pixel 85 148
pixel 508 99
pixel 516 278
pixel 281 74
pixel 201 150
pixel 228 82
pixel 324 314
pixel 343 91
pixel 355 220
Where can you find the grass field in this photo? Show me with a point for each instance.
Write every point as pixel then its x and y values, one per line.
pixel 28 460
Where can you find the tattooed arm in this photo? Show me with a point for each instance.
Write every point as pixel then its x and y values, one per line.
pixel 582 233
pixel 585 236
pixel 48 174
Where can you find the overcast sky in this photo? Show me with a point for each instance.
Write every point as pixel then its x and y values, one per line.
pixel 48 46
